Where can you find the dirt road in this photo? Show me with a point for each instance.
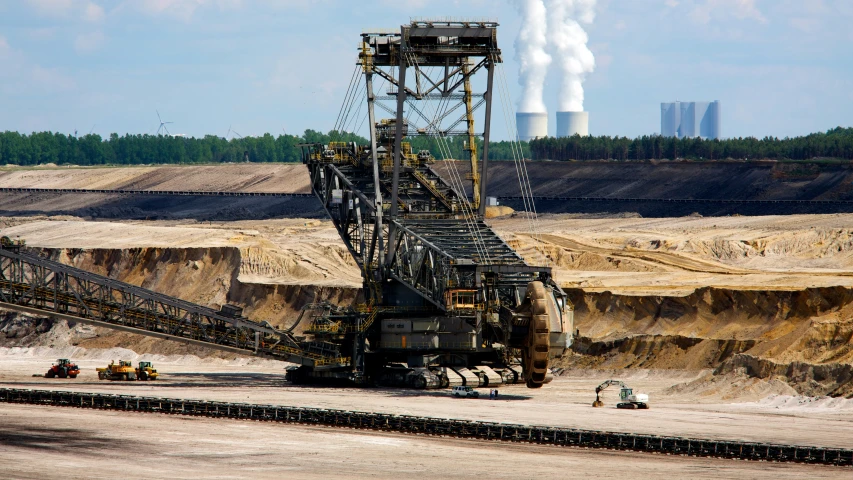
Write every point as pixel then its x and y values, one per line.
pixel 46 443
pixel 564 402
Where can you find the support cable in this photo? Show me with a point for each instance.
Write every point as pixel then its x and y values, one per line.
pixel 456 182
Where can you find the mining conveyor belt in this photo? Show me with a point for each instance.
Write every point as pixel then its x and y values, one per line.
pixel 569 437
pixel 32 284
pixel 198 193
pixel 184 193
pixel 683 200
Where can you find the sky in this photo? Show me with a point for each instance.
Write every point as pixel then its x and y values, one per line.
pixel 778 67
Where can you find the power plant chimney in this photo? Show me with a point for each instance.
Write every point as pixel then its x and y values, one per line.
pixel 572 123
pixel 531 125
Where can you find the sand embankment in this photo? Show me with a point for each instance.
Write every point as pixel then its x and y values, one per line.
pixel 241 177
pixel 767 298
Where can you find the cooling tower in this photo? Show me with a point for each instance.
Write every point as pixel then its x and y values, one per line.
pixel 571 123
pixel 531 125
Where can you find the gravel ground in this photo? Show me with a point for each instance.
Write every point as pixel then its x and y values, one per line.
pixel 564 402
pixel 45 442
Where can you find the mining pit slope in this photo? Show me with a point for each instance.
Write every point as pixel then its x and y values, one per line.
pixel 765 297
pixel 240 177
pixel 725 180
pixel 757 180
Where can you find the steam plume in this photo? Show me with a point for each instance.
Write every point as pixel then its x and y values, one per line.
pixel 531 56
pixel 568 40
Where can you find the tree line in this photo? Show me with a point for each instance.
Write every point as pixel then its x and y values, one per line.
pixel 835 143
pixel 47 147
pixel 61 149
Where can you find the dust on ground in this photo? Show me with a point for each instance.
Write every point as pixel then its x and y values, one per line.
pixel 70 443
pixel 565 402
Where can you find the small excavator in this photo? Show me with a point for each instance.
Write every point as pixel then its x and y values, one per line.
pixel 628 399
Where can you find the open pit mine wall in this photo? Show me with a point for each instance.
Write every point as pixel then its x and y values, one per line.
pixel 206 276
pixel 728 182
pixel 803 337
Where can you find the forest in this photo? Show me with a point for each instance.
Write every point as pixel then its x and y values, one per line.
pixel 836 143
pixel 61 149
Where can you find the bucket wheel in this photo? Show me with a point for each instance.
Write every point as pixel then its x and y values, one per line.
pixel 536 349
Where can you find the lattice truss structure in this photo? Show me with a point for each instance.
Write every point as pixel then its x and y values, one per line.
pixel 410 230
pixel 32 284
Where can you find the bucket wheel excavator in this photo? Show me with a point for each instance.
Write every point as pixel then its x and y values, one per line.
pixel 447 301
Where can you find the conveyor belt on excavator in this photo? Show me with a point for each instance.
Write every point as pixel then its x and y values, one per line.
pixel 36 285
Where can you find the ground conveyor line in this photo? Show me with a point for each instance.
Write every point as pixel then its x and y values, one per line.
pixel 188 193
pixel 477 430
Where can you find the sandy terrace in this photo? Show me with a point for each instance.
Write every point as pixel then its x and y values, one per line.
pixel 215 178
pixel 287 252
pixel 632 256
pixel 639 256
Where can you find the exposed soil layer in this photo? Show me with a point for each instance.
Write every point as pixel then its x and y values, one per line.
pixel 695 293
pixel 762 180
pixel 242 177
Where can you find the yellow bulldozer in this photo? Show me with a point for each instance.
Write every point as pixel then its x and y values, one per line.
pixel 124 371
pixel 117 371
pixel 146 371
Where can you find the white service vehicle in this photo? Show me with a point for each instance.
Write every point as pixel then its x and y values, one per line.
pixel 465 392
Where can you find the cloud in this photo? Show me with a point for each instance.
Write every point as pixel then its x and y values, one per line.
pixel 180 9
pixel 51 79
pixel 52 7
pixel 84 9
pixel 42 33
pixel 20 75
pixel 88 42
pixel 723 9
pixel 93 13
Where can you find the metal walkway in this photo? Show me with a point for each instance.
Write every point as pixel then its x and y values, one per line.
pixel 567 437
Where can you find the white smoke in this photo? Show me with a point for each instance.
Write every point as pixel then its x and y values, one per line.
pixel 568 39
pixel 530 53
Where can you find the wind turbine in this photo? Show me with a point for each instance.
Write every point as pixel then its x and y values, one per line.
pixel 232 132
pixel 162 124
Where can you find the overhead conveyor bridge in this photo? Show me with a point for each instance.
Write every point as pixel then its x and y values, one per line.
pixel 32 284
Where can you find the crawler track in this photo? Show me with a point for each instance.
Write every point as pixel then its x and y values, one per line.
pixel 438 427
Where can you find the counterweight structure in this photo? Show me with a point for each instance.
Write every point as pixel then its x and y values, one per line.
pixel 447 301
